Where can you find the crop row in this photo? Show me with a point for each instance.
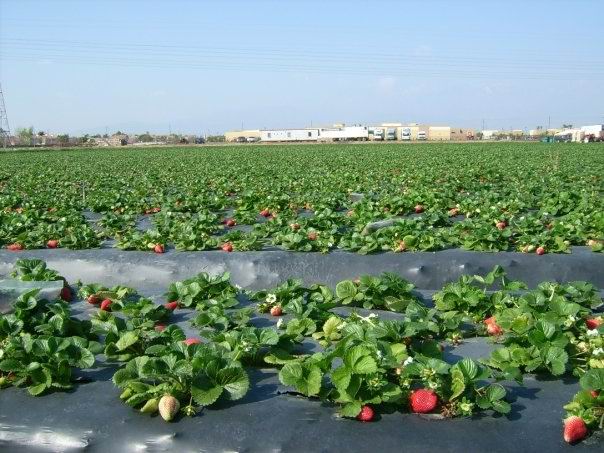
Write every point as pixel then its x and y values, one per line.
pixel 363 364
pixel 486 197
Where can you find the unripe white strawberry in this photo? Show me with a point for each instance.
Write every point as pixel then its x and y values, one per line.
pixel 168 407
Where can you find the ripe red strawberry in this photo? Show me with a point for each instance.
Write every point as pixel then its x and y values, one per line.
pixel 159 248
pixel 106 305
pixel 190 341
pixel 494 329
pixel 366 414
pixel 66 294
pixel 574 429
pixel 276 310
pixel 227 247
pixel 419 209
pixel 265 213
pixel 230 222
pixel 171 305
pixel 501 225
pixel 423 401
pixel 52 244
pixel 14 247
pixel 93 299
pixel 453 212
pixel 312 236
pixel 594 393
pixel 159 327
pixel 540 250
pixel 593 323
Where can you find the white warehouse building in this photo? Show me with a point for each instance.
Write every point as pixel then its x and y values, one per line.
pixel 344 133
pixel 289 135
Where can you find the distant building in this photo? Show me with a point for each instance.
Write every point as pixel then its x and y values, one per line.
pixel 117 140
pixel 233 136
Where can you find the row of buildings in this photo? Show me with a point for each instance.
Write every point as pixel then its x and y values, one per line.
pixel 411 132
pixel 342 132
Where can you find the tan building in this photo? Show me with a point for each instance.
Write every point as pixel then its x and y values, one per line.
pixel 461 134
pixel 232 136
pixel 439 133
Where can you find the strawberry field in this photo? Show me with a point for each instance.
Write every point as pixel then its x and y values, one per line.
pixel 455 304
pixel 532 198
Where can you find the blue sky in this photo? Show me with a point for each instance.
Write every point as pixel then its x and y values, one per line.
pixel 210 66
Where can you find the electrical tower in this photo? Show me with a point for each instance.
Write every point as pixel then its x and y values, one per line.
pixel 4 128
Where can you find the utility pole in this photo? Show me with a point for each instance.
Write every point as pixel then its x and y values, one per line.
pixel 549 122
pixel 483 124
pixel 4 127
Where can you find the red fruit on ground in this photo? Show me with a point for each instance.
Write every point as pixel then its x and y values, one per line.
pixel 574 429
pixel 423 401
pixel 501 225
pixel 159 327
pixel 106 305
pixel 494 329
pixel 230 222
pixel 540 251
pixel 276 310
pixel 93 299
pixel 593 323
pixel 14 247
pixel 227 247
pixel 594 393
pixel 265 213
pixel 366 414
pixel 171 305
pixel 312 236
pixel 453 211
pixel 52 244
pixel 66 294
pixel 190 341
pixel 159 248
pixel 489 320
pixel 419 209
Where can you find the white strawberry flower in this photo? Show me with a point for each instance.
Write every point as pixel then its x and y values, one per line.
pixel 408 360
pixel 237 286
pixel 279 323
pixel 593 332
pixel 271 298
pixel 598 352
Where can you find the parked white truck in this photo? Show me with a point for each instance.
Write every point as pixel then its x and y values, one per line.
pixel 344 133
pixel 378 133
pixel 406 134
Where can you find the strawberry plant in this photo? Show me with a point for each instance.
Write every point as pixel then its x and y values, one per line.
pixel 204 290
pixel 41 344
pixel 196 376
pixel 388 291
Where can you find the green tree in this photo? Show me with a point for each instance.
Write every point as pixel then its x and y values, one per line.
pixel 26 135
pixel 63 139
pixel 145 138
